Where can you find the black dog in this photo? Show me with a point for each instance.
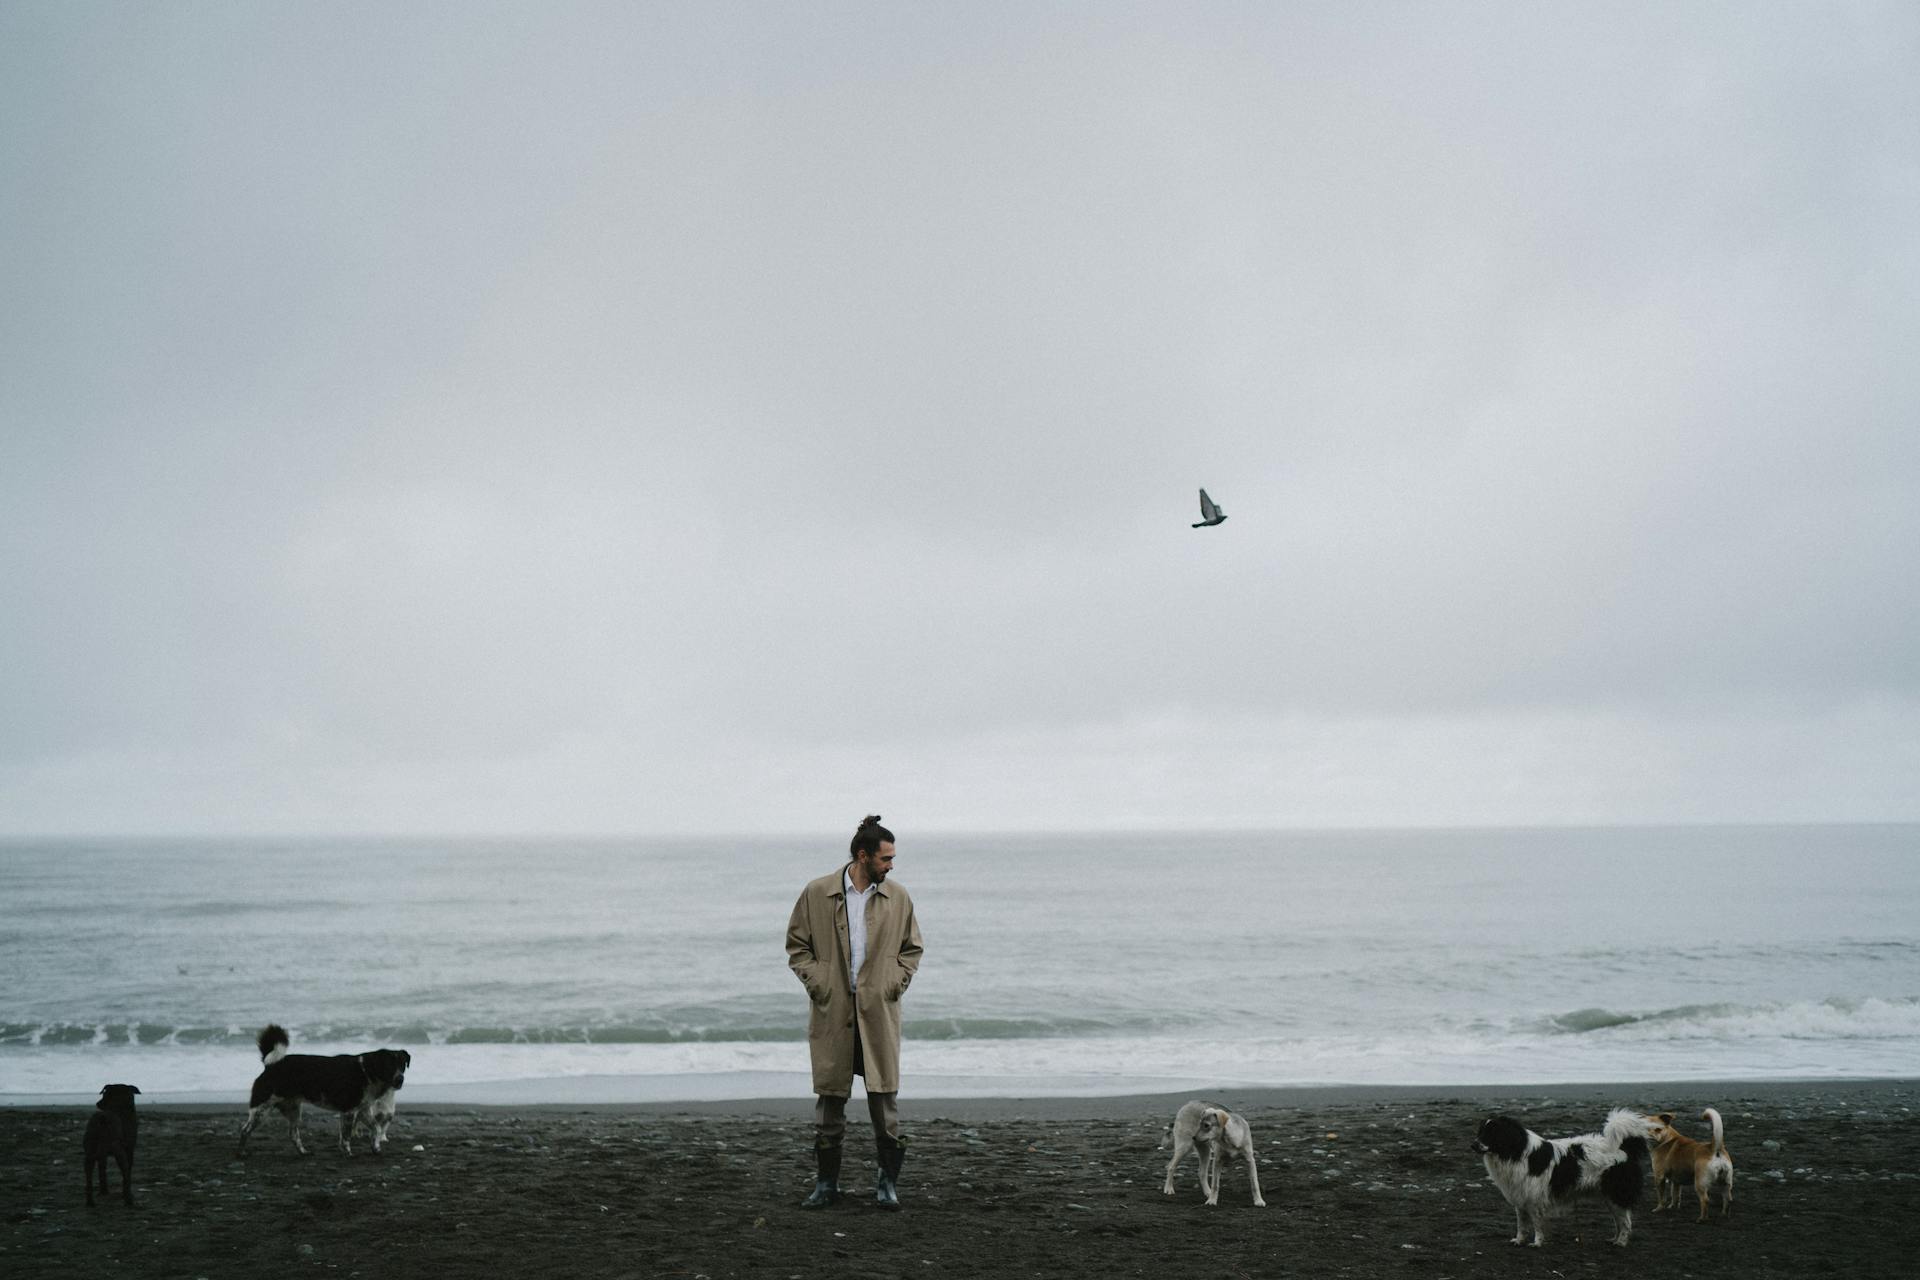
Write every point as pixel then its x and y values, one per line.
pixel 360 1086
pixel 111 1131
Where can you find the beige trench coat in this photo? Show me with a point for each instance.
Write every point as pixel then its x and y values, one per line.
pixel 817 952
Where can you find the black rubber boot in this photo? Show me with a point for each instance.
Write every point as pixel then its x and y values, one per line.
pixel 826 1182
pixel 886 1190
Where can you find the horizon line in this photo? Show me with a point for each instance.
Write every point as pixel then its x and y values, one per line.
pixel 607 837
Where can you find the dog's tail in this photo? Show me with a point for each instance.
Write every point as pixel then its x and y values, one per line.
pixel 273 1043
pixel 1626 1129
pixel 1712 1117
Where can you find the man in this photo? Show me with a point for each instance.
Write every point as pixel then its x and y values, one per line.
pixel 854 944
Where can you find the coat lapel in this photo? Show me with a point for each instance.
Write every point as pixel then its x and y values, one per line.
pixel 839 896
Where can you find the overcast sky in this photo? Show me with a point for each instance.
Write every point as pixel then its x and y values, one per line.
pixel 672 418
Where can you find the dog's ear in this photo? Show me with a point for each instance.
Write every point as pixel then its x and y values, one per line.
pixel 1665 1117
pixel 134 1087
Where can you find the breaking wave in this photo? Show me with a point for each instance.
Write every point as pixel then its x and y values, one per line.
pixel 1869 1018
pixel 146 1034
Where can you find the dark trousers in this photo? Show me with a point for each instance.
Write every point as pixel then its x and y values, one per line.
pixel 830 1111
pixel 830 1117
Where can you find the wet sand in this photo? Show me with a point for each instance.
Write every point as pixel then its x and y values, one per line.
pixel 1358 1182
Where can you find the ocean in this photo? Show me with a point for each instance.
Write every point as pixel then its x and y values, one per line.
pixel 566 970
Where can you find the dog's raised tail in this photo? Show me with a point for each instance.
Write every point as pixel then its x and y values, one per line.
pixel 1626 1129
pixel 1712 1117
pixel 273 1043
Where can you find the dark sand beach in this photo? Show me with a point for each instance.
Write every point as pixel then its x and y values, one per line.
pixel 1359 1182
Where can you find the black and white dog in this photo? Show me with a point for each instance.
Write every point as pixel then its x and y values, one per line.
pixel 360 1086
pixel 1542 1177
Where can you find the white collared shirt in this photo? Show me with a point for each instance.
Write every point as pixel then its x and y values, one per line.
pixel 856 925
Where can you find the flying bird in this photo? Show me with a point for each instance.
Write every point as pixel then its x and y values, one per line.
pixel 1210 512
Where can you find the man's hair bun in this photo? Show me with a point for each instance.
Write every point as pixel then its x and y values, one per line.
pixel 870 836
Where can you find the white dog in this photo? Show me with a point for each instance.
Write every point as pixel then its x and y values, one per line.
pixel 1204 1129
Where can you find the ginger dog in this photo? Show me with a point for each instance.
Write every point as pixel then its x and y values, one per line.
pixel 1675 1156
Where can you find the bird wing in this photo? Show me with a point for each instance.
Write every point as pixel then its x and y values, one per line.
pixel 1206 506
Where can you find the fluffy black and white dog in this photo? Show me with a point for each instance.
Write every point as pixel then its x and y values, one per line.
pixel 1542 1177
pixel 360 1086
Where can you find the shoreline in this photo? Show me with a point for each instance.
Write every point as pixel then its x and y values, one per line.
pixel 500 1097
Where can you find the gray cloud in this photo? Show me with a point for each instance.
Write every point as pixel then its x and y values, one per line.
pixel 606 419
